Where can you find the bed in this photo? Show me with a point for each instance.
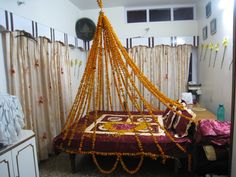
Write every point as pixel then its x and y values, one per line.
pixel 115 135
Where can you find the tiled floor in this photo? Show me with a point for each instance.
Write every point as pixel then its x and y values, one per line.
pixel 59 166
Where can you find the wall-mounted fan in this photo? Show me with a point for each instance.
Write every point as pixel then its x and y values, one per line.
pixel 85 29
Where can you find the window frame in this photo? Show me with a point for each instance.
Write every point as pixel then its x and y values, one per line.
pixel 142 9
pixel 183 8
pixel 160 9
pixel 148 8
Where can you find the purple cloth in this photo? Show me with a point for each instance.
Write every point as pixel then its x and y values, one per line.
pixel 213 132
pixel 121 144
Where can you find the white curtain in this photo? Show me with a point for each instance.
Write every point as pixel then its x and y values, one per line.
pixel 45 77
pixel 166 67
pixel 41 75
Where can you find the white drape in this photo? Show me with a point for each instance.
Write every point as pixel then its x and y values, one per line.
pixel 40 74
pixel 166 67
pixel 45 77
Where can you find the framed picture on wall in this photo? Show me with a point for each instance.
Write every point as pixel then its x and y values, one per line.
pixel 213 26
pixel 208 9
pixel 204 33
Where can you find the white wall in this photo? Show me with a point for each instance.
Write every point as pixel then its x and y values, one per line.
pixel 158 29
pixel 216 82
pixel 3 85
pixel 58 14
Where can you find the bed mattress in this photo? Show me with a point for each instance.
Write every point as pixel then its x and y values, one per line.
pixel 120 137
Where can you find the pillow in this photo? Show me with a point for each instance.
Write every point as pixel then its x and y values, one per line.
pixel 169 115
pixel 181 124
pixel 181 101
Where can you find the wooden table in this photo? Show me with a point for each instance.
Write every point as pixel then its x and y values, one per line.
pixel 201 112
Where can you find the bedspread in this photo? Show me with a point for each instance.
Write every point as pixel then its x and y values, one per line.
pixel 108 141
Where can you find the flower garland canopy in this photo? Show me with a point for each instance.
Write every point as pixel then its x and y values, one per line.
pixel 108 61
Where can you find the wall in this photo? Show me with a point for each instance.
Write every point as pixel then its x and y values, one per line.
pixel 159 29
pixel 216 81
pixel 3 85
pixel 58 14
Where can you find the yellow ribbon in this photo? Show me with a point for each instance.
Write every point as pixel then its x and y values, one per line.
pixel 76 62
pixel 80 63
pixel 72 63
pixel 225 42
pixel 216 47
pixel 211 46
pixel 206 46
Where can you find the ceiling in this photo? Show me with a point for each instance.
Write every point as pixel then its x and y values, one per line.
pixel 92 4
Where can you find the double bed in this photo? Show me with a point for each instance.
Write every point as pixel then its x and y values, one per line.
pixel 116 132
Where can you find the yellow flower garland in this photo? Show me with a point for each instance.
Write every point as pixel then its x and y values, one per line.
pixel 95 93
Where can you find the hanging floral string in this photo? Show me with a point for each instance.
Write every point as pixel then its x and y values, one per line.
pixel 108 62
pixel 211 47
pixel 206 48
pixel 201 52
pixel 216 48
pixel 225 43
pixel 230 64
pixel 100 4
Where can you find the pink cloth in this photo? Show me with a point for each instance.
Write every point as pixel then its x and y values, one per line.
pixel 213 132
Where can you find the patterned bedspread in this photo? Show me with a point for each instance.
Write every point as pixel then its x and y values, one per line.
pixel 115 124
pixel 116 132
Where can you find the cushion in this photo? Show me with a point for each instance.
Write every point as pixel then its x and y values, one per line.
pixel 169 115
pixel 181 124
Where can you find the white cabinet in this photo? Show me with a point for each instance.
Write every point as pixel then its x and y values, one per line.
pixel 20 158
pixel 6 168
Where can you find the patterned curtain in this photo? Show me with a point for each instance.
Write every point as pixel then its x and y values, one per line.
pixel 41 75
pixel 166 67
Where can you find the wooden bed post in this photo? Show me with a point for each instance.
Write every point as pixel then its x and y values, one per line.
pixel 189 162
pixel 177 166
pixel 73 162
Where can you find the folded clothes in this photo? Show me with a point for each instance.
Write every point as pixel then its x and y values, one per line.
pixel 213 132
pixel 11 118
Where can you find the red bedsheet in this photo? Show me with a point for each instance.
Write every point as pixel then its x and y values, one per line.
pixel 109 142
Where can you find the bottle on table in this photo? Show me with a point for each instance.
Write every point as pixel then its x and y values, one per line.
pixel 221 112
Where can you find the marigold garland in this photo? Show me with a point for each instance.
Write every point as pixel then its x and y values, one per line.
pixel 108 62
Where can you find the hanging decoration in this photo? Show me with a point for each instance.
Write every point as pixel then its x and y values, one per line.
pixel 109 63
pixel 202 47
pixel 206 48
pixel 230 64
pixel 216 49
pixel 211 47
pixel 225 43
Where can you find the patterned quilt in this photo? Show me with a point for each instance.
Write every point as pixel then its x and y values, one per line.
pixel 116 132
pixel 123 124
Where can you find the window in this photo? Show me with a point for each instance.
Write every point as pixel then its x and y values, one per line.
pixel 159 15
pixel 135 16
pixel 183 13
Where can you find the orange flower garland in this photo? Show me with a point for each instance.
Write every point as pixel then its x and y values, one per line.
pixel 107 63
